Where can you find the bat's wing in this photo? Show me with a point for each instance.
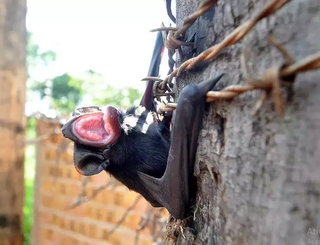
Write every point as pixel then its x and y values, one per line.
pixel 176 189
pixel 147 99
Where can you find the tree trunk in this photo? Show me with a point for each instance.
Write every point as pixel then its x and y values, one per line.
pixel 12 118
pixel 258 175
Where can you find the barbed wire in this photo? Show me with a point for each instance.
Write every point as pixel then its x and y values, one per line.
pixel 204 7
pixel 271 81
pixel 271 7
pixel 172 41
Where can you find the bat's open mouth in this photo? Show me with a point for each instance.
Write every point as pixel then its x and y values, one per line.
pixel 98 128
pixel 92 127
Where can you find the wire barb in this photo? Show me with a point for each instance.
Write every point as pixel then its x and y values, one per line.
pixel 271 7
pixel 271 81
pixel 172 41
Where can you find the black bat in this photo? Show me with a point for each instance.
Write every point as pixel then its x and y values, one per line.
pixel 137 151
pixel 134 146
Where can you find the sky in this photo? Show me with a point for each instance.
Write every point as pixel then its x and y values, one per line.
pixel 109 37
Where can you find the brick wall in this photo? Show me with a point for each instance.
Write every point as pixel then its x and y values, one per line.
pixel 88 223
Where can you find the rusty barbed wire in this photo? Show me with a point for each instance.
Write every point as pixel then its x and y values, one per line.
pixel 271 81
pixel 172 41
pixel 271 7
pixel 204 7
pixel 167 107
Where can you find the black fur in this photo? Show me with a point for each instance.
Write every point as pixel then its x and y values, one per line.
pixel 133 152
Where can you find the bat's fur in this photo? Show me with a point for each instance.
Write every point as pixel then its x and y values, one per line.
pixel 135 150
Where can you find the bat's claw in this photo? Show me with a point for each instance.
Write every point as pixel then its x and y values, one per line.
pixel 209 84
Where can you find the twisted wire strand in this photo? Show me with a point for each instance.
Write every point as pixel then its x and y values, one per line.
pixel 204 7
pixel 271 7
pixel 172 41
pixel 271 81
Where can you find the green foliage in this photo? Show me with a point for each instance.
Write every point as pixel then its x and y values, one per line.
pixel 28 193
pixel 65 92
pixel 120 97
pixel 35 57
pixel 29 182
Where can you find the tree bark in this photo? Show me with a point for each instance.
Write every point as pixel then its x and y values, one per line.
pixel 12 118
pixel 258 175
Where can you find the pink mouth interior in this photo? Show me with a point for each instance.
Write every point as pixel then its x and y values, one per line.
pixel 97 129
pixel 92 128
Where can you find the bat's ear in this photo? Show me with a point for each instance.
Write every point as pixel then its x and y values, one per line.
pixel 88 161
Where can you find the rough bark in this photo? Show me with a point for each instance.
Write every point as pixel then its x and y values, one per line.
pixel 258 175
pixel 12 118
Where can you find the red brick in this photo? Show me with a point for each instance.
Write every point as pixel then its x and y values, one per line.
pixel 107 197
pixel 142 206
pixel 66 157
pixel 91 230
pixel 82 228
pixel 46 217
pixel 72 190
pixel 79 211
pixel 119 199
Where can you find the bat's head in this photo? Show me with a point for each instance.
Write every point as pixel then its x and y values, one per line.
pixel 93 130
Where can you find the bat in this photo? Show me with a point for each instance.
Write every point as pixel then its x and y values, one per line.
pixel 140 151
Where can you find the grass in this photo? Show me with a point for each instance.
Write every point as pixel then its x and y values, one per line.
pixel 29 173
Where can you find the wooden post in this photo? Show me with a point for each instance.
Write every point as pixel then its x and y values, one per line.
pixel 258 175
pixel 12 118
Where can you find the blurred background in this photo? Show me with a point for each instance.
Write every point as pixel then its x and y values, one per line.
pixel 81 53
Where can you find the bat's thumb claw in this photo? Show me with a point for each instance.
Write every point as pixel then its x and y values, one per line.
pixel 209 84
